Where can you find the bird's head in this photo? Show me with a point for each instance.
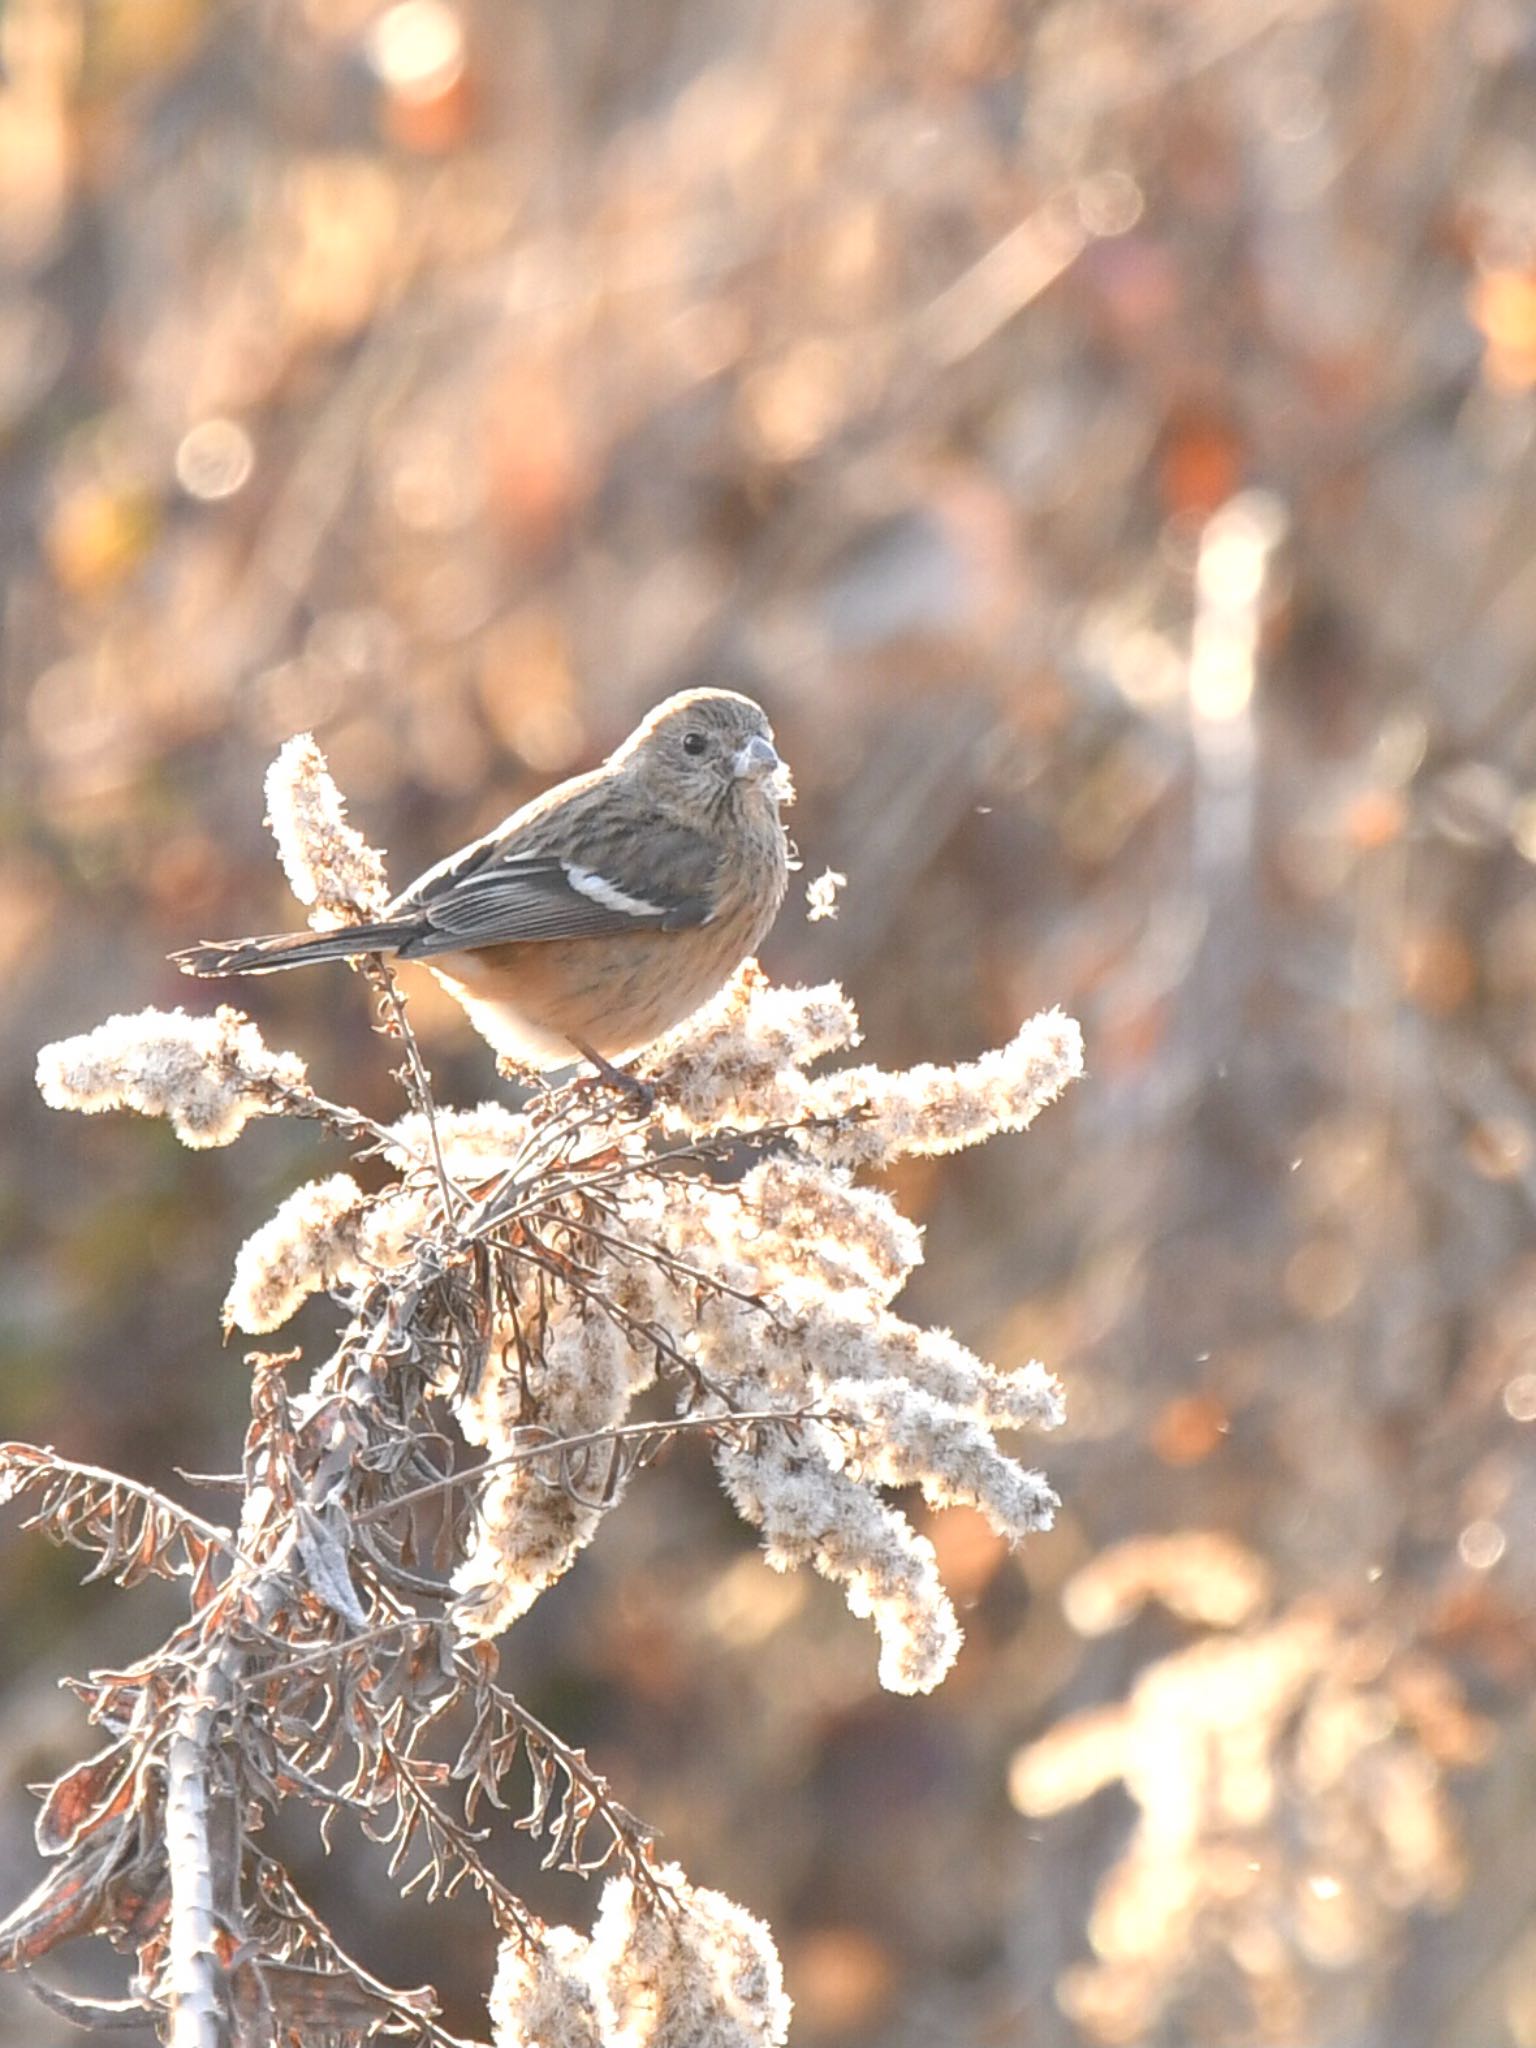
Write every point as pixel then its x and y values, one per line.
pixel 706 748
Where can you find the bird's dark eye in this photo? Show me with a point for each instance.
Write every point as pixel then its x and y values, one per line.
pixel 694 743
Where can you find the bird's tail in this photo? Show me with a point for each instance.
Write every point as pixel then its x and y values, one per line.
pixel 293 949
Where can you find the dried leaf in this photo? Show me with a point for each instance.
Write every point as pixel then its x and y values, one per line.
pixel 325 1561
pixel 79 1802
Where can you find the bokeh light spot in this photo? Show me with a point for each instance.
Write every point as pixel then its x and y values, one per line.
pixel 1110 204
pixel 1480 1545
pixel 214 459
pixel 417 48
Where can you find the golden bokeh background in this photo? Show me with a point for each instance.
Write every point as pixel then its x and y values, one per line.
pixel 1103 432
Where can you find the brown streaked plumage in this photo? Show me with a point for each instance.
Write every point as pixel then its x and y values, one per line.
pixel 603 913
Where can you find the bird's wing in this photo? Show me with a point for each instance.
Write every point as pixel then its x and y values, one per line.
pixel 497 891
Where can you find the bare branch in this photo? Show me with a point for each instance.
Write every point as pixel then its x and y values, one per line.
pixel 197 1983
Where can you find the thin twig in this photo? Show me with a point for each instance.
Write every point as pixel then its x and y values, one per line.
pixel 508 1910
pixel 645 1248
pixel 303 1101
pixel 93 2015
pixel 620 1823
pixel 297 1910
pixel 335 1647
pixel 526 1454
pixel 418 1081
pixel 39 1464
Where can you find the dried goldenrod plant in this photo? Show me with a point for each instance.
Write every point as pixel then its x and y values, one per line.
pixel 561 1289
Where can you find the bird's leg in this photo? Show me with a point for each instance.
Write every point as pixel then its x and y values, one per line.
pixel 641 1093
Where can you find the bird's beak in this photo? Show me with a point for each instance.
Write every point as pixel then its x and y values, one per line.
pixel 756 757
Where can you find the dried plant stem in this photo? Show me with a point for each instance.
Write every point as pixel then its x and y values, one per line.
pixel 450 1839
pixel 200 2015
pixel 417 1081
pixel 91 2015
pixel 344 1122
pixel 647 1435
pixel 313 1655
pixel 406 2009
pixel 79 1490
pixel 624 1831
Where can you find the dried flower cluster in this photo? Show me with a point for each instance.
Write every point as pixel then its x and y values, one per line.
pixel 534 1269
pixel 329 864
pixel 771 1293
pixel 312 1241
pixel 207 1075
pixel 704 1976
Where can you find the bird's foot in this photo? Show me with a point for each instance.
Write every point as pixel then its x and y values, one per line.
pixel 640 1094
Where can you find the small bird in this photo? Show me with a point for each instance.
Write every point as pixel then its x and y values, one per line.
pixel 602 913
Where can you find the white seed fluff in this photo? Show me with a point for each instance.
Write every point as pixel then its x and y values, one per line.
pixel 207 1075
pixel 821 895
pixel 329 865
pixel 705 1977
pixel 542 1994
pixel 310 1242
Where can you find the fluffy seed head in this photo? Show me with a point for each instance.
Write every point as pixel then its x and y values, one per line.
pixel 329 865
pixel 207 1075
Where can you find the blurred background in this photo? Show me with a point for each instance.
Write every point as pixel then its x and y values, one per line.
pixel 1103 432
